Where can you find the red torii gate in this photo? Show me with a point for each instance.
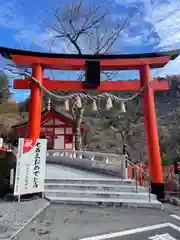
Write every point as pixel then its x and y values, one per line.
pixel 142 62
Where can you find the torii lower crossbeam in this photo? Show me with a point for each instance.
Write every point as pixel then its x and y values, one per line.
pixel 110 86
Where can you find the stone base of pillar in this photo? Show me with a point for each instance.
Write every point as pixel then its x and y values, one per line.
pixel 158 190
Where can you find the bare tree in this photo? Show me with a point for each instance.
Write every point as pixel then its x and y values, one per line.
pixel 127 126
pixel 85 28
pixel 112 129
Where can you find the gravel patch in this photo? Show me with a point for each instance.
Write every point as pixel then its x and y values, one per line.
pixel 4 207
pixel 16 215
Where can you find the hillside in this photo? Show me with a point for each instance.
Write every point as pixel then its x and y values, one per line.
pixel 111 129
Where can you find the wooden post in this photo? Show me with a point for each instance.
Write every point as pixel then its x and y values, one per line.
pixel 154 158
pixel 35 103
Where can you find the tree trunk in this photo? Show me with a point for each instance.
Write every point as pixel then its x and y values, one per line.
pixel 78 113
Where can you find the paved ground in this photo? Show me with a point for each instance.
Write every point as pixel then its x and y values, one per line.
pixel 67 222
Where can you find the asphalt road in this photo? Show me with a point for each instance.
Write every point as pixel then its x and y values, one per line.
pixel 67 222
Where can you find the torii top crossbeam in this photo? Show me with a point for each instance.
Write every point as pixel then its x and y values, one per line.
pixel 76 62
pixel 27 59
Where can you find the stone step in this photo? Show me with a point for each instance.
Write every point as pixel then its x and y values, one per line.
pixel 108 202
pixel 98 187
pixel 91 181
pixel 94 194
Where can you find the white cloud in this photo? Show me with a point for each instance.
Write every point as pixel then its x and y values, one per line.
pixel 165 18
pixel 172 68
pixel 28 33
pixel 132 40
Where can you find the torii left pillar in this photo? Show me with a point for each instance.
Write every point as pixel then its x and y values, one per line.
pixel 35 103
pixel 154 158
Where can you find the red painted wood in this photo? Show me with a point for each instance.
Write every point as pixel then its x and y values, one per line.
pixel 56 126
pixel 78 64
pixel 109 86
pixel 35 103
pixel 168 176
pixel 151 131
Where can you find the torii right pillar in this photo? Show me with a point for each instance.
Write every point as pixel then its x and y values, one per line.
pixel 151 132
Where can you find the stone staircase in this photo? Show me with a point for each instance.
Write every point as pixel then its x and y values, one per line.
pixel 99 191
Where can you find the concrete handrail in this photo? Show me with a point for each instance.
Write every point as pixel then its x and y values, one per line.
pixel 110 163
pixel 108 158
pixel 86 164
pixel 87 152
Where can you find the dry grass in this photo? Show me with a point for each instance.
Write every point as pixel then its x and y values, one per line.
pixel 8 120
pixel 9 116
pixel 8 107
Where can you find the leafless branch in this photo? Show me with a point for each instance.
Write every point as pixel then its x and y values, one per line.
pixel 77 23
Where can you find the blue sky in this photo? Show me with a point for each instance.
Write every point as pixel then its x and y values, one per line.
pixel 154 27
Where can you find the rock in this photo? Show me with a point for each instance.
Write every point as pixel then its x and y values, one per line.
pixel 46 223
pixel 174 201
pixel 43 231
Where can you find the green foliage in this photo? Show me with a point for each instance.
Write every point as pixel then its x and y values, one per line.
pixel 5 93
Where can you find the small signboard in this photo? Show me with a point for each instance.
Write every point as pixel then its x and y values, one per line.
pixel 30 166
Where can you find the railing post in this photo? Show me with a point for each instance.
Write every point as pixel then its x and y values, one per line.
pixel 140 175
pixel 124 167
pixel 136 177
pixel 92 159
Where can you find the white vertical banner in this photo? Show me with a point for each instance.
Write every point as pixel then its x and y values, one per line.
pixel 30 166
